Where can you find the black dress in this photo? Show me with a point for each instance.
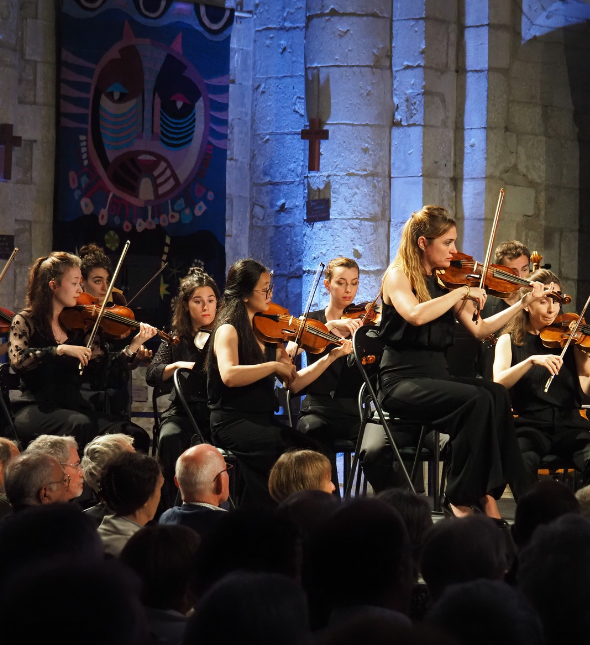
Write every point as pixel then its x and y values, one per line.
pixel 243 421
pixel 176 430
pixel 549 422
pixel 51 402
pixel 415 384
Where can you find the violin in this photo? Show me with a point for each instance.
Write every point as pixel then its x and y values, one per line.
pixel 557 334
pixel 116 322
pixel 367 312
pixel 277 325
pixel 500 281
pixel 6 317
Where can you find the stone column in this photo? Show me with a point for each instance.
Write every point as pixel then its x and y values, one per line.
pixel 349 43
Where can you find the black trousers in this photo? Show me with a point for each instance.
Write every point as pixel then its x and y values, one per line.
pixel 37 419
pixel 176 436
pixel 257 442
pixel 565 434
pixel 477 416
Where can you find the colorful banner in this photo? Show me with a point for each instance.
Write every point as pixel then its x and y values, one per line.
pixel 142 138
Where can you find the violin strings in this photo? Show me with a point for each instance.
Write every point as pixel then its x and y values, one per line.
pixel 313 330
pixel 122 319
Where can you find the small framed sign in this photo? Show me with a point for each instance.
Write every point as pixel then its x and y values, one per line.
pixel 6 246
pixel 318 210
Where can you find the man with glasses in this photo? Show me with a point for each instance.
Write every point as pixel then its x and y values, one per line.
pixel 203 479
pixel 35 479
pixel 65 451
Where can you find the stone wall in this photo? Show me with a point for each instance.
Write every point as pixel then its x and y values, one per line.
pixel 27 100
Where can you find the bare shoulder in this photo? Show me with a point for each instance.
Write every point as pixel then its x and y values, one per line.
pixel 226 332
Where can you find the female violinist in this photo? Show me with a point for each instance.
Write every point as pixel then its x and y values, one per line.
pixel 241 373
pixel 194 309
pixel 97 272
pixel 47 358
pixel 548 422
pixel 417 326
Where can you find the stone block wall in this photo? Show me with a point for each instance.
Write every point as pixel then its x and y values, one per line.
pixel 27 100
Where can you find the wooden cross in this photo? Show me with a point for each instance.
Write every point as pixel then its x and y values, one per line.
pixel 7 143
pixel 314 134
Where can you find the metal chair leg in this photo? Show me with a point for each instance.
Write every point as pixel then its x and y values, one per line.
pixel 436 474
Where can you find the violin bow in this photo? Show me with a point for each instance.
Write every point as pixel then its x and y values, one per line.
pixel 10 259
pixel 147 284
pixel 104 302
pixel 303 323
pixel 488 257
pixel 569 340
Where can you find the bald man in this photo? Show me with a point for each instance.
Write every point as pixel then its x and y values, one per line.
pixel 203 479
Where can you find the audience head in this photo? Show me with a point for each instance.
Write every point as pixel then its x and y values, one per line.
pixel 131 485
pixel 462 550
pixel 554 574
pixel 307 508
pixel 247 540
pixel 46 532
pixel 264 608
pixel 544 502
pixel 60 600
pixel 33 479
pixel 361 556
pixel 486 612
pixel 415 513
pixel 162 556
pixel 8 450
pixel 99 452
pixel 65 450
pixel 297 470
pixel 202 475
pixel 583 497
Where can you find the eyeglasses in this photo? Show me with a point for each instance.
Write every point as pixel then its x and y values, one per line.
pixel 77 466
pixel 266 291
pixel 65 481
pixel 226 470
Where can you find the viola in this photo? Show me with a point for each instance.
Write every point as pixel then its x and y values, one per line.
pixel 500 281
pixel 277 325
pixel 117 321
pixel 6 317
pixel 367 312
pixel 559 332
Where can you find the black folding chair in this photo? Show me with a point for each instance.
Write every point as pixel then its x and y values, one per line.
pixel 368 349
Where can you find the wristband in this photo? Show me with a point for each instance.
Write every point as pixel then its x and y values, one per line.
pixel 466 296
pixel 127 351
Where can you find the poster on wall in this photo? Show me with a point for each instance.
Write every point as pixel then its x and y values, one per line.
pixel 142 139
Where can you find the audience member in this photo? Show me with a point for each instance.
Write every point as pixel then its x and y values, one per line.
pixel 203 479
pixel 248 608
pixel 47 532
pixel 97 455
pixel 486 612
pixel 583 497
pixel 8 450
pixel 247 540
pixel 33 479
pixel 297 470
pixel 462 550
pixel 544 502
pixel 162 557
pixel 93 603
pixel 65 450
pixel 554 574
pixel 359 557
pixel 131 487
pixel 307 508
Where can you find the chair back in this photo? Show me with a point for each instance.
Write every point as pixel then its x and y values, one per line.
pixel 368 348
pixel 180 394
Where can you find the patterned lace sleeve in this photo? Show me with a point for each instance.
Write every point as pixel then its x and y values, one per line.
pixel 22 356
pixel 163 357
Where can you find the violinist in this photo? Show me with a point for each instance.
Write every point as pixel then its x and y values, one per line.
pixel 194 309
pixel 548 422
pixel 241 374
pixel 47 358
pixel 417 326
pixel 97 272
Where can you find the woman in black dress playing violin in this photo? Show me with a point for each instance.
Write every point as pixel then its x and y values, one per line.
pixel 417 326
pixel 241 375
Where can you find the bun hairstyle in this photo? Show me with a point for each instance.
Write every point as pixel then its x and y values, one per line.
pixel 181 319
pixel 347 263
pixel 429 222
pixel 93 257
pixel 39 303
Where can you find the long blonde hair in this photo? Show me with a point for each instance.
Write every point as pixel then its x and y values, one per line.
pixel 518 326
pixel 429 222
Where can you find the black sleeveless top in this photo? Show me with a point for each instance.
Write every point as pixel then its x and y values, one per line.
pixel 528 394
pixel 258 398
pixel 416 351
